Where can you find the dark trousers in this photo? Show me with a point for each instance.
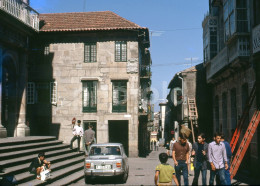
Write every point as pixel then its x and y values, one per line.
pixel 220 173
pixel 73 139
pixel 197 171
pixel 182 167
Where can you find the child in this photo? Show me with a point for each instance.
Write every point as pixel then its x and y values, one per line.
pixel 165 172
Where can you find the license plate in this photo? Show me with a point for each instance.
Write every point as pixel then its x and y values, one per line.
pixel 103 166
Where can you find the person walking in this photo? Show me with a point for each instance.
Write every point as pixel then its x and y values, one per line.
pixel 216 154
pixel 89 137
pixel 180 156
pixel 77 134
pixel 164 172
pixel 171 145
pixel 157 145
pixel 229 155
pixel 154 144
pixel 199 151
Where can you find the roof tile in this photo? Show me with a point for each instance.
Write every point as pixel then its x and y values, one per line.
pixel 85 21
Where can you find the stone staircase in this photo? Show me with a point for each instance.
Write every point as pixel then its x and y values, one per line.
pixel 16 155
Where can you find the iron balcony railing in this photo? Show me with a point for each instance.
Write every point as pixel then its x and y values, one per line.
pixel 22 12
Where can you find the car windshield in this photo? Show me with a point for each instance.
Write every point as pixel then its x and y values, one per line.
pixel 104 150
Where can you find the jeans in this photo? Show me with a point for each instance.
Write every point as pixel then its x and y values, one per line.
pixel 221 175
pixel 197 170
pixel 182 167
pixel 227 175
pixel 73 139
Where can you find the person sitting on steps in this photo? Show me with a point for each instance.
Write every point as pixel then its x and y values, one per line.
pixel 37 165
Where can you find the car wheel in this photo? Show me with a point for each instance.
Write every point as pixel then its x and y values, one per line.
pixel 124 177
pixel 87 179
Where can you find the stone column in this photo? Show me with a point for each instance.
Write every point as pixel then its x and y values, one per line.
pixel 22 128
pixel 3 131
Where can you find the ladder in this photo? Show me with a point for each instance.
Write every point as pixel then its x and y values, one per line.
pixel 193 114
pixel 245 143
pixel 241 121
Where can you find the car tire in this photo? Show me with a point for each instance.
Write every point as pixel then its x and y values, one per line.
pixel 87 179
pixel 124 177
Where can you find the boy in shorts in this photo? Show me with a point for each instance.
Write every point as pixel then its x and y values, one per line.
pixel 164 172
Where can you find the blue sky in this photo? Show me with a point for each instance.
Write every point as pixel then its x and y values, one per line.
pixel 175 31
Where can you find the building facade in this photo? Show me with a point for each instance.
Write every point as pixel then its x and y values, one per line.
pixel 96 68
pixel 231 42
pixel 18 24
pixel 189 84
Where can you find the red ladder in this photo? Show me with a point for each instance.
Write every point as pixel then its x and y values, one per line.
pixel 193 114
pixel 245 143
pixel 241 121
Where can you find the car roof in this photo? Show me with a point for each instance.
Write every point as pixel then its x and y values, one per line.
pixel 107 144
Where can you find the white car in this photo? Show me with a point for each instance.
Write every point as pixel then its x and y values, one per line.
pixel 106 160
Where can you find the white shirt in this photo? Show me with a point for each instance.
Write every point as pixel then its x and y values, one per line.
pixel 78 131
pixel 171 144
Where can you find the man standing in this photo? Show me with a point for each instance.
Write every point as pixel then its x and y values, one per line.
pixel 180 156
pixel 77 134
pixel 217 153
pixel 229 154
pixel 89 137
pixel 199 151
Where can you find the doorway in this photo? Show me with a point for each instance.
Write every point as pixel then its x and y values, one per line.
pixel 86 124
pixel 118 133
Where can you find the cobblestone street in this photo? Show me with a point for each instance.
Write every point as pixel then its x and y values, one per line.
pixel 142 172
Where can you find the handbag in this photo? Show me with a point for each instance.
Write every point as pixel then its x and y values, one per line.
pixel 45 174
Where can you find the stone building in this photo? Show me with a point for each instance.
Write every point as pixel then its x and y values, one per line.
pixel 18 24
pixel 94 66
pixel 189 84
pixel 231 46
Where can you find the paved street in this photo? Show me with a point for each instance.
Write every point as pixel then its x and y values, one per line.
pixel 142 172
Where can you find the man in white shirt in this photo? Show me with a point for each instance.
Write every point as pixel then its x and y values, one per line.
pixel 77 134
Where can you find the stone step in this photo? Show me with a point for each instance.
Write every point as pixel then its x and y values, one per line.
pixel 26 146
pixel 57 175
pixel 54 160
pixel 26 176
pixel 72 178
pixel 26 159
pixel 19 153
pixel 23 140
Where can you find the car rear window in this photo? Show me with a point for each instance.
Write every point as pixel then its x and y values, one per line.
pixel 104 150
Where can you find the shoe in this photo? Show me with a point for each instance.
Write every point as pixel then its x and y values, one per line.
pixel 190 174
pixel 38 177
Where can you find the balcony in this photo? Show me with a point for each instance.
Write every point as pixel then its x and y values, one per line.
pixel 217 63
pixel 22 12
pixel 256 39
pixel 145 72
pixel 239 48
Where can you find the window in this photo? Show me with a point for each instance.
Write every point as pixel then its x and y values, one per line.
pixel 53 92
pixel 119 96
pixel 89 96
pixel 242 23
pixel 30 92
pixel 229 18
pixel 120 51
pixel 90 52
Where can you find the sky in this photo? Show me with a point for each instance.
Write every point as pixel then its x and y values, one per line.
pixel 175 28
